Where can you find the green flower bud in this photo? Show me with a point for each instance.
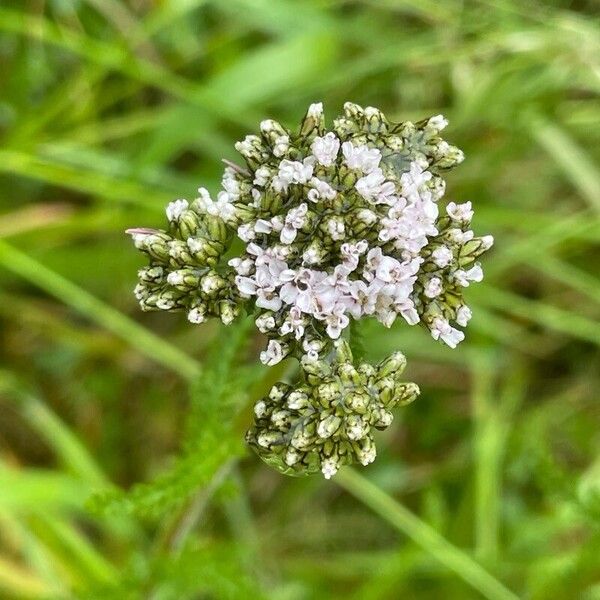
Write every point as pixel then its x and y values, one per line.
pixel 470 251
pixel 227 310
pixel 375 121
pixel 358 402
pixel 211 284
pixel 184 279
pixel 392 366
pixel 187 224
pixel 314 122
pixel 405 393
pixel 349 375
pixel 155 244
pixel 151 274
pixel 204 252
pixel 328 392
pixel 328 426
pixel 179 253
pixel 386 388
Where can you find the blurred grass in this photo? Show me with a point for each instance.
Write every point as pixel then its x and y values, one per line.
pixel 488 486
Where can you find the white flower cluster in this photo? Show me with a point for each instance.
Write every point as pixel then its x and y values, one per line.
pixel 339 230
pixel 334 225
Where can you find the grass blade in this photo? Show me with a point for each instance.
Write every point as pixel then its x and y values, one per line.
pixel 423 535
pixel 135 335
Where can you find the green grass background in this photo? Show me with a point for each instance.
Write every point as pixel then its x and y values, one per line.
pixel 487 487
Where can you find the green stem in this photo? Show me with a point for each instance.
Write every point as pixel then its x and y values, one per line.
pixel 423 535
pixel 356 341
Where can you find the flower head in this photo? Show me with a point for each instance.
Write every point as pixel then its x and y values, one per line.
pixel 333 226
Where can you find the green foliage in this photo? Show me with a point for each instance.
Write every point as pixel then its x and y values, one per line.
pixel 488 486
pixel 210 441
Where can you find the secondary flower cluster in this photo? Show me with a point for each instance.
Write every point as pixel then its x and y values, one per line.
pixel 320 227
pixel 328 420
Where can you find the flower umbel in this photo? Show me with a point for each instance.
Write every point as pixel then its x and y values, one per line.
pixel 336 225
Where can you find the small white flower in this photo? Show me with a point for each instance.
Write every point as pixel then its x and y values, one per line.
pixel 297 400
pixel 463 315
pixel 464 278
pixel 410 315
pixel 196 316
pixel 196 245
pixel 328 426
pixel 281 145
pixel 294 323
pixel 165 304
pixel 246 232
pixel 460 212
pixel 325 149
pixel 336 323
pixel 293 171
pixel 247 145
pixel 311 349
pixel 361 298
pixel 386 418
pixel 361 158
pixel 230 184
pixel 357 430
pixel 367 455
pixel 433 287
pixel 329 467
pixel 351 253
pixel 442 330
pixel 368 217
pixel 262 176
pixel 224 207
pixel 210 284
pixel 294 220
pixel 375 188
pixel 299 288
pixel 263 226
pixel 311 256
pixel 221 208
pixel 437 123
pixel 336 228
pixel 321 190
pixel 273 354
pixel 140 291
pixel 414 180
pixel 175 278
pixel 487 241
pixel 291 458
pixel 279 418
pixel 315 110
pixel 175 209
pixel 389 270
pixel 260 409
pixel 265 323
pixel 443 148
pixel 281 251
pixel 266 438
pixel 442 256
pixel 256 197
pixel 460 237
pixel 268 125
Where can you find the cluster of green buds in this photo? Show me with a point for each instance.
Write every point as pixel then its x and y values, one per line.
pixel 187 271
pixel 336 225
pixel 328 419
